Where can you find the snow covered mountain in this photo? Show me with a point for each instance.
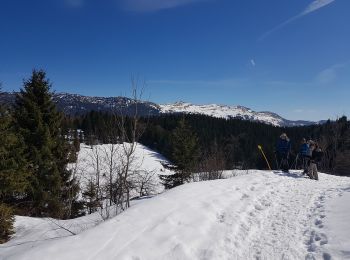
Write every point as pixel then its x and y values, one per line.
pixel 73 104
pixel 227 112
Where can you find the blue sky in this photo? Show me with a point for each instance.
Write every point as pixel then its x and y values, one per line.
pixel 291 57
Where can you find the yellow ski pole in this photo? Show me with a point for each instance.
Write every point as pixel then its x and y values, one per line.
pixel 262 152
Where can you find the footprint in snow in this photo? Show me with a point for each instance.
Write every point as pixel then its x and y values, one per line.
pixel 221 218
pixel 310 257
pixel 321 238
pixel 258 207
pixel 327 256
pixel 244 196
pixel 318 222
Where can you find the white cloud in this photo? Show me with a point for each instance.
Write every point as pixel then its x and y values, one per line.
pixel 326 76
pixel 314 6
pixel 252 61
pixel 330 74
pixel 154 5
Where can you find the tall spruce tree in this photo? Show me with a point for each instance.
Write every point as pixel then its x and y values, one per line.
pixel 13 166
pixel 39 124
pixel 185 150
pixel 185 154
pixel 13 174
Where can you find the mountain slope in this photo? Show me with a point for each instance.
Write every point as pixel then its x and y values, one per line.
pixel 227 112
pixel 72 104
pixel 262 215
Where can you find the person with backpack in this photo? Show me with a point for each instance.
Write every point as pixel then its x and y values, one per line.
pixel 282 152
pixel 316 157
pixel 304 153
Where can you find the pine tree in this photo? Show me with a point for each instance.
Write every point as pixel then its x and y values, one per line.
pixel 342 160
pixel 39 124
pixel 185 153
pixel 14 170
pixel 6 223
pixel 90 196
pixel 76 141
pixel 185 148
pixel 13 173
pixel 74 147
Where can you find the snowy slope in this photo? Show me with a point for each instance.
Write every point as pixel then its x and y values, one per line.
pixel 261 215
pixel 223 111
pixel 143 160
pixel 335 217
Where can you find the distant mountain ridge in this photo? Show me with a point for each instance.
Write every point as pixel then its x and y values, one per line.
pixel 228 112
pixel 75 104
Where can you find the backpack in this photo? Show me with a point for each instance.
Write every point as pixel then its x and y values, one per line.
pixel 305 150
pixel 283 146
pixel 317 155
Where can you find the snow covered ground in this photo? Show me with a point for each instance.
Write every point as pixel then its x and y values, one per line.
pixel 260 215
pixel 143 161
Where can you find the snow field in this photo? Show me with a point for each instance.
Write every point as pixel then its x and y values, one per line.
pixel 260 215
pixel 143 160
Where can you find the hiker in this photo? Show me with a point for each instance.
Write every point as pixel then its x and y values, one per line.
pixel 316 157
pixel 304 153
pixel 283 150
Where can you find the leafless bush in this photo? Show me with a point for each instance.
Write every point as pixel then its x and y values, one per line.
pixel 212 164
pixel 145 182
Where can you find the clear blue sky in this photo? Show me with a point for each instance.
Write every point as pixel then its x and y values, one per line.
pixel 287 56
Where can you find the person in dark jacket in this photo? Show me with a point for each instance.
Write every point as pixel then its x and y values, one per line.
pixel 282 152
pixel 304 153
pixel 316 157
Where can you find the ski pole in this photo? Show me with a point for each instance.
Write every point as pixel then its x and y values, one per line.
pixel 262 152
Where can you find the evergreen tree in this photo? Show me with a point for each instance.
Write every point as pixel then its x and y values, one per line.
pixel 76 141
pixel 74 147
pixel 90 196
pixel 13 167
pixel 6 223
pixel 13 173
pixel 39 124
pixel 185 153
pixel 185 148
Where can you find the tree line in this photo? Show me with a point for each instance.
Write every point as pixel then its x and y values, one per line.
pixel 235 140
